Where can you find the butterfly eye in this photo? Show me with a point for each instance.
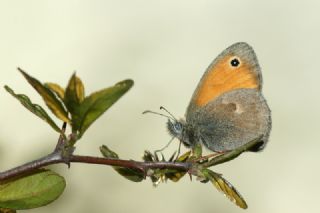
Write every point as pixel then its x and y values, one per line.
pixel 177 127
pixel 235 62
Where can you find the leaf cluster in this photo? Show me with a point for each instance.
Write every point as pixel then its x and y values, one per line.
pixel 71 105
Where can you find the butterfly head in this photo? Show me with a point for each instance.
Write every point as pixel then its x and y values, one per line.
pixel 183 131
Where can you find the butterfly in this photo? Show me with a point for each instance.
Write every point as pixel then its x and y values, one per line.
pixel 227 109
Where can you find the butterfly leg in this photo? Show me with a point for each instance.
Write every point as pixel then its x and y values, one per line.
pixel 212 155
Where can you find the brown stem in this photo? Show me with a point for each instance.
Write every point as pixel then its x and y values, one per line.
pixel 56 157
pixel 52 158
pixel 144 166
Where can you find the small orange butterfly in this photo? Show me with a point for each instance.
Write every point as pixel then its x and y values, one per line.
pixel 227 109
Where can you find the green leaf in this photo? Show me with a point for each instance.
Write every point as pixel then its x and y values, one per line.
pixel 34 108
pixel 197 150
pixel 7 210
pixel 96 104
pixel 175 176
pixel 31 191
pixel 108 153
pixel 230 155
pixel 74 94
pixel 56 89
pixel 49 98
pixel 130 174
pixel 225 187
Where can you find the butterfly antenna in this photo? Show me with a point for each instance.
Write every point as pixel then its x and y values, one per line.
pixel 162 108
pixel 157 113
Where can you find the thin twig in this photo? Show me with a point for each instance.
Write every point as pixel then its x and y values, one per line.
pixel 50 159
pixel 56 158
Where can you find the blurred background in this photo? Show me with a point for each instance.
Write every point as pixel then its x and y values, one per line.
pixel 165 46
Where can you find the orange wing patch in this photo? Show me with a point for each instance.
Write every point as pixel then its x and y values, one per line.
pixel 222 77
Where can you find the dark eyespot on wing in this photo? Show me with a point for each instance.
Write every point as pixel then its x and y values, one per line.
pixel 235 62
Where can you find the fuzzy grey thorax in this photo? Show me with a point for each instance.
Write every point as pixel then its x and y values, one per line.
pixel 186 133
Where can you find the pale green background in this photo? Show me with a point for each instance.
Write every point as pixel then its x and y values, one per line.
pixel 165 46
